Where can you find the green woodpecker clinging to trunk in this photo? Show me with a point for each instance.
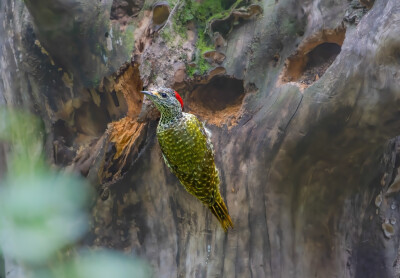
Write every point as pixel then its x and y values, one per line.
pixel 188 152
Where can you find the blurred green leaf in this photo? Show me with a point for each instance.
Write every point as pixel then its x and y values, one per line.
pixel 42 211
pixel 40 214
pixel 100 264
pixel 24 134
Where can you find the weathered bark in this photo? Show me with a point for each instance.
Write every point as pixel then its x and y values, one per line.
pixel 301 142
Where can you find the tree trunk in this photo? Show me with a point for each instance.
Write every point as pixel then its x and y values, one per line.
pixel 302 101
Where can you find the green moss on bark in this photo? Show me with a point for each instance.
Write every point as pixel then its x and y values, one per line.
pixel 200 14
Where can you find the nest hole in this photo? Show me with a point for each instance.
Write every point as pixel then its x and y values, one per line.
pixel 161 13
pixel 318 61
pixel 322 54
pixel 313 57
pixel 309 68
pixel 218 101
pixel 81 121
pixel 219 93
pixel 62 144
pixel 90 120
pixel 63 133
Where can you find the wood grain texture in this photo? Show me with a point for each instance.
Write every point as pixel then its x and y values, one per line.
pixel 300 170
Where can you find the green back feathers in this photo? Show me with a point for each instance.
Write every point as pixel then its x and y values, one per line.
pixel 190 157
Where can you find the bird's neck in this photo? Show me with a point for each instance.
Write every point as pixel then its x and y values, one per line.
pixel 170 116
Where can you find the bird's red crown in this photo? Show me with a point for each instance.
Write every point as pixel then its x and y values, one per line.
pixel 178 97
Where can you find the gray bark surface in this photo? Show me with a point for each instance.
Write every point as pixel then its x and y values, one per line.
pixel 305 141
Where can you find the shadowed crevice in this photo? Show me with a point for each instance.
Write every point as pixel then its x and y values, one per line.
pixel 313 57
pixel 218 101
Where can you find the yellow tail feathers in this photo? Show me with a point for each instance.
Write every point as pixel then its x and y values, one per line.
pixel 221 212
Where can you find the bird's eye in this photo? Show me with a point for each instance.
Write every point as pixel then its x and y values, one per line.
pixel 164 95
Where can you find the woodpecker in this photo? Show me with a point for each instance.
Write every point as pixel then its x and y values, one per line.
pixel 188 152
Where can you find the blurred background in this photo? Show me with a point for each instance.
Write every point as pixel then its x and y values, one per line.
pixel 45 213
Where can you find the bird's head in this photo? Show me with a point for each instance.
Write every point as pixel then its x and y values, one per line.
pixel 166 100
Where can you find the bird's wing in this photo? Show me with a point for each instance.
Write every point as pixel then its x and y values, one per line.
pixel 206 132
pixel 187 152
pixel 184 146
pixel 206 135
pixel 168 164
